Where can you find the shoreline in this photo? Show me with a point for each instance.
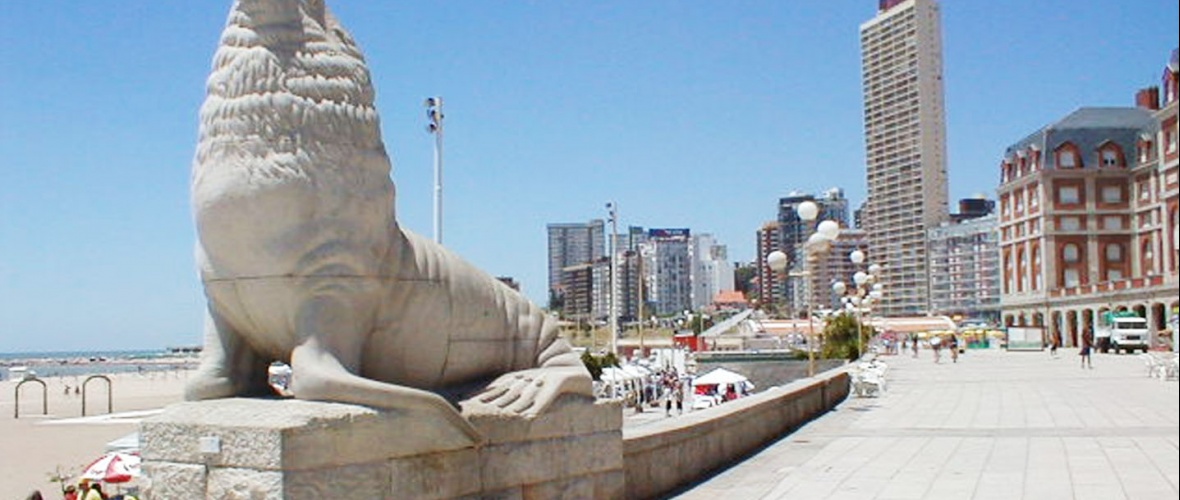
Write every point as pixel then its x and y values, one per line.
pixel 79 364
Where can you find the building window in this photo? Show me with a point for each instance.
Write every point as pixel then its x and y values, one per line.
pixel 1071 278
pixel 1067 156
pixel 1171 140
pixel 1145 152
pixel 1112 194
pixel 1071 224
pixel 1148 258
pixel 1023 272
pixel 1111 157
pixel 1114 275
pixel 1036 268
pixel 1112 222
pixel 1033 199
pixel 1070 253
pixel 1114 252
pixel 1068 195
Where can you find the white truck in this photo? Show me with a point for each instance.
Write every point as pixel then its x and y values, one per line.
pixel 1123 332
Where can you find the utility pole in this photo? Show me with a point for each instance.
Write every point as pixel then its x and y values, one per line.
pixel 434 113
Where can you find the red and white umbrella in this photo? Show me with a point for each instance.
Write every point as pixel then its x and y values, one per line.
pixel 114 467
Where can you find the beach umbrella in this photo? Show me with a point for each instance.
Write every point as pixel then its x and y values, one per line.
pixel 113 467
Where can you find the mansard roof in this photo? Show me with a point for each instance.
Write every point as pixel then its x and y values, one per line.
pixel 1089 128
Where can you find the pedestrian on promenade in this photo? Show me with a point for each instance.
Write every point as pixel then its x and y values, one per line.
pixel 936 346
pixel 954 346
pixel 914 343
pixel 1087 346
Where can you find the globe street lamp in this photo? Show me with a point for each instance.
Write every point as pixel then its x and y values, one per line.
pixel 867 292
pixel 818 243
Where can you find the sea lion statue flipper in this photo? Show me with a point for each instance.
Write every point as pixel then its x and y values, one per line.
pixel 229 367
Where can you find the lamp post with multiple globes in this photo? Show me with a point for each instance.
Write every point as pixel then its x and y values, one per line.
pixel 818 243
pixel 860 300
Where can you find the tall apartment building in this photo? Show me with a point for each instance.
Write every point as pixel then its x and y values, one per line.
pixel 578 292
pixel 711 270
pixel 668 268
pixel 965 263
pixel 771 287
pixel 633 301
pixel 1089 217
pixel 572 244
pixel 905 139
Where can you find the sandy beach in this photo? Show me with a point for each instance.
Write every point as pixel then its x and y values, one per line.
pixel 35 446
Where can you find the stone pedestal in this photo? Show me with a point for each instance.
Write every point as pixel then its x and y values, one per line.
pixel 292 449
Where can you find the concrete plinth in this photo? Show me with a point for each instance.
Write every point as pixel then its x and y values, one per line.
pixel 292 449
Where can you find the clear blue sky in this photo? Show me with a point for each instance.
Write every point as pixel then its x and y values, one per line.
pixel 688 114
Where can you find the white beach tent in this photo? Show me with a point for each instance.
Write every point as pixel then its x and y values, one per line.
pixel 722 376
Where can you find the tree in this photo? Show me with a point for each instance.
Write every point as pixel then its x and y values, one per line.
pixel 595 364
pixel 840 337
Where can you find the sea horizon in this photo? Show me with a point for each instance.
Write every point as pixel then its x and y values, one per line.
pixel 93 362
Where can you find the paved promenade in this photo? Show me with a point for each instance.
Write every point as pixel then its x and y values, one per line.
pixel 995 425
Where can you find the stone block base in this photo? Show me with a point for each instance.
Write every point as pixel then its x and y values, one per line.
pixel 291 449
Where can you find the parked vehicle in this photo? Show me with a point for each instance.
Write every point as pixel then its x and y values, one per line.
pixel 1123 331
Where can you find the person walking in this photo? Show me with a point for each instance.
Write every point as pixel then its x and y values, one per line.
pixel 1087 347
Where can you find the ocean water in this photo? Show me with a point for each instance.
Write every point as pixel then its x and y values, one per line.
pixel 85 363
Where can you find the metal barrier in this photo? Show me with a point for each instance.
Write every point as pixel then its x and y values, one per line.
pixel 44 396
pixel 110 400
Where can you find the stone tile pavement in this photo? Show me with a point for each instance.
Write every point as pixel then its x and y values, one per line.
pixel 994 425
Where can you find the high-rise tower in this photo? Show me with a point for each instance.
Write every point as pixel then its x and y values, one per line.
pixel 905 140
pixel 572 244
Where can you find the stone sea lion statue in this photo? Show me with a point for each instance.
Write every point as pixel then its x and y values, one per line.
pixel 302 258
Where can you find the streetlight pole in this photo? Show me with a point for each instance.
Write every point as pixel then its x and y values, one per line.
pixel 867 292
pixel 612 211
pixel 434 112
pixel 639 294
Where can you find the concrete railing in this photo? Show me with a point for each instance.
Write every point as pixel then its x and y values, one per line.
pixel 659 458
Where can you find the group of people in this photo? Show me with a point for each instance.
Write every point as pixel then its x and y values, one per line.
pixel 673 389
pixel 85 490
pixel 937 344
pixel 661 388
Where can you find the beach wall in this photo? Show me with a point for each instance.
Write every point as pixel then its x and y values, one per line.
pixel 661 457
